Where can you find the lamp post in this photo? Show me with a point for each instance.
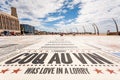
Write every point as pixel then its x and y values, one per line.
pixel 94 25
pixel 117 30
pixel 84 29
pixel 94 30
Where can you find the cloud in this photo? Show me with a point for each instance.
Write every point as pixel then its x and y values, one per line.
pixel 95 10
pixel 54 18
pixel 37 13
pixel 100 12
pixel 33 8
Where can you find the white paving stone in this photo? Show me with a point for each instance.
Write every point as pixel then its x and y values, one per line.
pixel 60 47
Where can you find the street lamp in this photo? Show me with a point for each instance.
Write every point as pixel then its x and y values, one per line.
pixel 84 29
pixel 95 26
pixel 116 26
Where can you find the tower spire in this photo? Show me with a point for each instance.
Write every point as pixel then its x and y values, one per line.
pixel 14 12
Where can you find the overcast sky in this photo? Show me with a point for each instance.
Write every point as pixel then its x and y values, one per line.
pixel 66 15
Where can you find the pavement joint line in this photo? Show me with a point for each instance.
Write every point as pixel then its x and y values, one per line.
pixel 9 55
pixel 110 55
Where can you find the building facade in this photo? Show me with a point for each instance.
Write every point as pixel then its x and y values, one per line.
pixel 27 29
pixel 9 23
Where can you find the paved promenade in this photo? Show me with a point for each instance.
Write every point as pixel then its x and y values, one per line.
pixel 49 57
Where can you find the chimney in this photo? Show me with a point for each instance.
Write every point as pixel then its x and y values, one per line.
pixel 14 12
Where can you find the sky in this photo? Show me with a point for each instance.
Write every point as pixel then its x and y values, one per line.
pixel 66 15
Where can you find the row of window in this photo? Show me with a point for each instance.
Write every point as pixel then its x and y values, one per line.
pixel 27 28
pixel 9 23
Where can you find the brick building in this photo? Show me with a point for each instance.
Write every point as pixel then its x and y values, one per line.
pixel 9 24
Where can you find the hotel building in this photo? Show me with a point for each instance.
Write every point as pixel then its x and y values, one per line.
pixel 9 23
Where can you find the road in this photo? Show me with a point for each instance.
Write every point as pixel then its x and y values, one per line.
pixel 49 57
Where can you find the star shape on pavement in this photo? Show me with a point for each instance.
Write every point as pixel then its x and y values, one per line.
pixel 3 71
pixel 16 71
pixel 110 71
pixel 98 71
